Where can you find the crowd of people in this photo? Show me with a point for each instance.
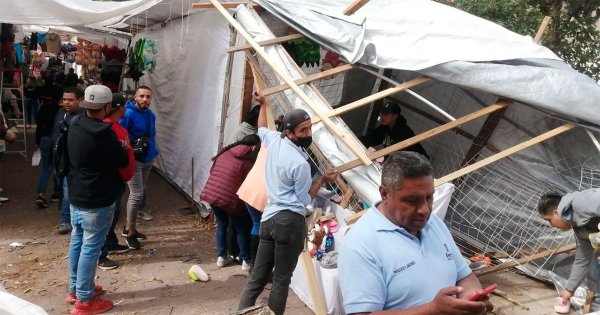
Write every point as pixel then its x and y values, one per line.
pixel 258 190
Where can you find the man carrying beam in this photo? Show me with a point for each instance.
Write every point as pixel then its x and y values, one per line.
pixel 289 190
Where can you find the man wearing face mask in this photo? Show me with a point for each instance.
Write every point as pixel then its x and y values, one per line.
pixel 289 191
pixel 94 156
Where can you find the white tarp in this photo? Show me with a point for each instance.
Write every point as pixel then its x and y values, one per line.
pixel 71 12
pixel 448 45
pixel 187 94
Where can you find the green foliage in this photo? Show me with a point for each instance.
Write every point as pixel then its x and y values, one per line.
pixel 572 34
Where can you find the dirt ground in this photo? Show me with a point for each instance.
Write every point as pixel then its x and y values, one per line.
pixel 153 280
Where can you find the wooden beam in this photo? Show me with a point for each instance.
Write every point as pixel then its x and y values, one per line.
pixel 542 29
pixel 347 139
pixel 314 286
pixel 268 42
pixel 369 99
pixel 523 260
pixel 228 5
pixel 355 6
pixel 247 91
pixel 426 135
pixel 260 84
pixel 524 145
pixel 309 78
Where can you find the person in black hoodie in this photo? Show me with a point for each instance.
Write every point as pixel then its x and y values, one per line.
pixel 391 130
pixel 94 158
pixel 71 98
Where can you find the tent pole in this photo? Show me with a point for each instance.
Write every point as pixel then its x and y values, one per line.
pixel 524 145
pixel 354 147
pixel 226 89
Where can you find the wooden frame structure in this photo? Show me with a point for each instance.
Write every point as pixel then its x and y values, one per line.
pixel 364 158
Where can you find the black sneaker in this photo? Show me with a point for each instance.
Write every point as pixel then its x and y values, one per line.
pixel 41 202
pixel 107 264
pixel 133 242
pixel 55 197
pixel 137 234
pixel 119 249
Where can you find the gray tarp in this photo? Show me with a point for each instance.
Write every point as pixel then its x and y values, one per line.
pixel 448 45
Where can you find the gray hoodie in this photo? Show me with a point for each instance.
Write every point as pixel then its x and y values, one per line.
pixel 582 210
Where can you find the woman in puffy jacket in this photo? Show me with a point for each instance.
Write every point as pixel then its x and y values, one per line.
pixel 227 173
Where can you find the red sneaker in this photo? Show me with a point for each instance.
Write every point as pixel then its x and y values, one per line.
pixel 71 298
pixel 93 306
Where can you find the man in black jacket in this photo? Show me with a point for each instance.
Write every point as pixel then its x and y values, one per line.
pixel 72 96
pixel 94 156
pixel 391 130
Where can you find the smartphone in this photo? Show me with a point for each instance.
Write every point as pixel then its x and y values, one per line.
pixel 482 294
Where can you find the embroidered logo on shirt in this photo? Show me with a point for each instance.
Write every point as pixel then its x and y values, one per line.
pixel 399 270
pixel 448 253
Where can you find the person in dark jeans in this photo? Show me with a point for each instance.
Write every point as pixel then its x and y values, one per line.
pixel 289 188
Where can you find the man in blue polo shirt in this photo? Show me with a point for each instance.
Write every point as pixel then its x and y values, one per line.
pixel 399 257
pixel 289 191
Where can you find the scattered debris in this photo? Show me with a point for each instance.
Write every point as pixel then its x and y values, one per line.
pixel 16 245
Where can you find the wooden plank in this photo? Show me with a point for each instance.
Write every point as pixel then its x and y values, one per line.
pixel 475 166
pixel 309 78
pixel 347 139
pixel 347 197
pixel 542 29
pixel 316 292
pixel 228 5
pixel 247 91
pixel 426 135
pixel 268 42
pixel 523 260
pixel 260 84
pixel 355 6
pixel 369 99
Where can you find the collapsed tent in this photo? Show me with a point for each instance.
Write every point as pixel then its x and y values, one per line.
pixel 473 68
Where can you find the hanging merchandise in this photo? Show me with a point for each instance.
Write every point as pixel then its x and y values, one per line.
pixel 150 53
pixel 53 43
pixel 18 53
pixel 114 53
pixel 33 41
pixel 304 51
pixel 143 58
pixel 42 41
pixel 88 55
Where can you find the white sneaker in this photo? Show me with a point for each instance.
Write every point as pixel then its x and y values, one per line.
pixel 245 266
pixel 145 215
pixel 4 199
pixel 222 262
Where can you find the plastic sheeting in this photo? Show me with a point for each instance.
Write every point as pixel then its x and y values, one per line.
pixel 187 95
pixel 448 45
pixel 72 12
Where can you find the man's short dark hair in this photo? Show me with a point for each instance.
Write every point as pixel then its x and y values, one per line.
pixel 142 87
pixel 548 203
pixel 404 164
pixel 74 90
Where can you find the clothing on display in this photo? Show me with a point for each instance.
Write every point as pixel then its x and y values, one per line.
pixel 53 43
pixel 33 41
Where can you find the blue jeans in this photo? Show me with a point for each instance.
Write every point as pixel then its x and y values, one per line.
pixel 111 238
pixel 31 107
pixel 45 163
pixel 242 226
pixel 88 235
pixel 65 211
pixel 256 216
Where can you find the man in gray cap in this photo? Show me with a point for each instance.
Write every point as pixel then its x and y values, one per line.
pixel 289 191
pixel 94 158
